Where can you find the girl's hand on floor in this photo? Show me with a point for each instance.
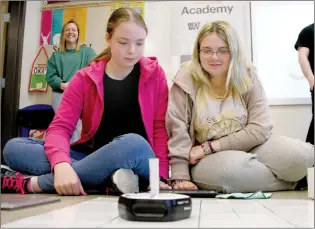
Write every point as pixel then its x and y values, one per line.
pixel 66 180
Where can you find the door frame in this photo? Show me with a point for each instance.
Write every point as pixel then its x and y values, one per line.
pixel 3 30
pixel 12 71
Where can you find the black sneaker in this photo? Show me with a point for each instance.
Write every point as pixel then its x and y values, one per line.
pixel 12 181
pixel 123 181
pixel 302 184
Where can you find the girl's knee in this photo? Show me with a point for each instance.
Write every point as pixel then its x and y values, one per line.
pixel 297 164
pixel 11 148
pixel 15 147
pixel 286 157
pixel 137 144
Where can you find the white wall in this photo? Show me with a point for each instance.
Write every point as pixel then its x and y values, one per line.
pixel 288 120
pixel 291 120
pixel 273 51
pixel 30 49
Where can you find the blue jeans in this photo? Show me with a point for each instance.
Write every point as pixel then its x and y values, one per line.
pixel 130 151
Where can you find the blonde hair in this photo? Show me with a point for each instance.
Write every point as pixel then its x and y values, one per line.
pixel 119 16
pixel 239 73
pixel 62 42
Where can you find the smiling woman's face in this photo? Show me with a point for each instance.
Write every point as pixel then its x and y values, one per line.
pixel 71 33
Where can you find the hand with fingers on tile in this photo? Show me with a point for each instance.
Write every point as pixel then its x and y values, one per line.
pixel 66 180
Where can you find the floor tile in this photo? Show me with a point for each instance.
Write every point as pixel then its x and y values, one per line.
pixel 238 213
pixel 85 214
pixel 298 212
pixel 209 213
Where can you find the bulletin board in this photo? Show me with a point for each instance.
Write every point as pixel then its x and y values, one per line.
pixel 172 25
pixel 91 17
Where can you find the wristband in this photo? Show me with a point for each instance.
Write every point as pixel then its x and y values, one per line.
pixel 207 149
pixel 210 145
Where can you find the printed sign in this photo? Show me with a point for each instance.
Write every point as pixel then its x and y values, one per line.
pixel 38 81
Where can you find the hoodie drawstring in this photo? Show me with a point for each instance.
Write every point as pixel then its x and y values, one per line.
pixel 186 107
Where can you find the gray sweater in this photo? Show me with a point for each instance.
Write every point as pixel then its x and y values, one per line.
pixel 181 115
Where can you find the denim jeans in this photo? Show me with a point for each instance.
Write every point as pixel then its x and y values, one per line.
pixel 130 151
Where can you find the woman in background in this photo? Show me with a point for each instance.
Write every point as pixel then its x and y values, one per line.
pixel 122 100
pixel 63 65
pixel 219 124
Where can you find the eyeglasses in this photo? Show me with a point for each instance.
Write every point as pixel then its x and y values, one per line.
pixel 222 53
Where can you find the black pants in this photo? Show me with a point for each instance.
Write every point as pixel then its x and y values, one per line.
pixel 310 134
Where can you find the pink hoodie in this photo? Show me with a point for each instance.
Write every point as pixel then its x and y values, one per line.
pixel 84 99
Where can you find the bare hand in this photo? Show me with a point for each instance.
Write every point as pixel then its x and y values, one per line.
pixel 195 155
pixel 66 180
pixel 184 185
pixel 63 86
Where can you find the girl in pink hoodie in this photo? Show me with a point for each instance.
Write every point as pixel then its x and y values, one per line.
pixel 121 98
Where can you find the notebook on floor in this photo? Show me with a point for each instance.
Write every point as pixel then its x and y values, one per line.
pixel 192 193
pixel 15 201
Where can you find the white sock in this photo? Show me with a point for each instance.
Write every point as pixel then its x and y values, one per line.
pixel 30 187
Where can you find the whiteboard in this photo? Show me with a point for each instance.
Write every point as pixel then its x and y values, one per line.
pixel 275 29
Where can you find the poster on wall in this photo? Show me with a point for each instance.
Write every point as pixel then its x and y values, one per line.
pixel 80 16
pixel 56 28
pixel 189 17
pixel 52 23
pixel 45 29
pixel 38 81
pixel 138 6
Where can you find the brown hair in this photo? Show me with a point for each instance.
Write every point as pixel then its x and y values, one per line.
pixel 62 42
pixel 119 16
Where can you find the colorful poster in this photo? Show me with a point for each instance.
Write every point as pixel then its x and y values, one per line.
pixel 57 23
pixel 45 30
pixel 80 16
pixel 138 6
pixel 38 81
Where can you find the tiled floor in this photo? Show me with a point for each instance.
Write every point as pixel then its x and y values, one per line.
pixel 285 209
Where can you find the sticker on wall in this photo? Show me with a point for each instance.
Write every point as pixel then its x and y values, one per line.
pixel 38 81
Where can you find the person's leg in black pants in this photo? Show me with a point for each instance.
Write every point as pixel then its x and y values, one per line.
pixel 310 134
pixel 302 184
